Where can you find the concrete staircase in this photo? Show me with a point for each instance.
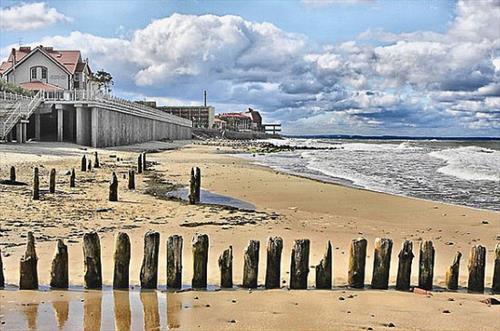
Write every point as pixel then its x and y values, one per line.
pixel 14 108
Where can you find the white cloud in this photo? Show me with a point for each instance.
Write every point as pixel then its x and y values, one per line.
pixel 29 16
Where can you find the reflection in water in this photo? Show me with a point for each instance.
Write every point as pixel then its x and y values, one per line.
pixel 122 310
pixel 174 306
pixel 61 308
pixel 149 301
pixel 31 312
pixel 92 311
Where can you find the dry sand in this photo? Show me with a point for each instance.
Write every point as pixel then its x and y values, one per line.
pixel 305 209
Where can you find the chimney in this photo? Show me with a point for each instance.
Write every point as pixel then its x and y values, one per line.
pixel 205 97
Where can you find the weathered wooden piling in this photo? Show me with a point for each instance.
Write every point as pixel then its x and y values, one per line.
pixel 2 278
pixel 149 268
pixel 226 268
pixel 28 279
pixel 426 265
pixel 381 263
pixel 36 184
pixel 121 258
pixel 273 266
pixel 89 166
pixel 198 185
pixel 357 261
pixel 113 188
pixel 452 273
pixel 174 261
pixel 200 260
pixel 251 264
pixel 52 181
pixel 139 164
pixel 131 179
pixel 92 260
pixel 299 265
pixel 72 178
pixel 192 188
pixel 406 256
pixel 144 163
pixel 83 166
pixel 97 164
pixel 59 276
pixel 324 269
pixel 495 286
pixel 477 263
pixel 12 174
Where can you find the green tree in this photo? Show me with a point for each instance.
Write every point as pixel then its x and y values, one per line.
pixel 104 80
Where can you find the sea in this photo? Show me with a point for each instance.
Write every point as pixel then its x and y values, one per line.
pixel 457 171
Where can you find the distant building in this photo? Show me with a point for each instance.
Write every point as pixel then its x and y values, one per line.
pixel 201 116
pixel 251 120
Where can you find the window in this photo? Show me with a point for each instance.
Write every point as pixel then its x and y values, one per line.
pixel 44 73
pixel 33 73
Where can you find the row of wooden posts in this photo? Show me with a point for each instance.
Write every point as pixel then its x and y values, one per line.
pixel 299 267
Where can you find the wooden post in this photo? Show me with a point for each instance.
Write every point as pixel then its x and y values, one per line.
pixel 36 184
pixel 174 262
pixel 113 188
pixel 357 261
pixel 477 262
pixel 12 174
pixel 84 164
pixel 495 286
pixel 149 268
pixel 200 259
pixel 198 185
pixel 251 266
pixel 299 266
pixel 273 267
pixel 452 273
pixel 72 178
pixel 2 278
pixel 404 268
pixel 97 164
pixel 324 269
pixel 192 188
pixel 28 279
pixel 426 265
pixel 52 181
pixel 139 164
pixel 92 261
pixel 144 164
pixel 122 261
pixel 59 277
pixel 89 166
pixel 131 180
pixel 381 263
pixel 226 268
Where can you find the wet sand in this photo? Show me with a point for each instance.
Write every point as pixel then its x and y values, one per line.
pixel 287 206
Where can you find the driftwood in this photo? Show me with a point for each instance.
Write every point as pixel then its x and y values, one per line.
pixel 52 181
pixel 131 180
pixel 28 266
pixel 149 268
pixel 426 265
pixel 251 265
pixel 200 260
pixel 174 262
pixel 404 267
pixel 122 261
pixel 299 266
pixel 36 184
pixel 273 269
pixel 59 277
pixel 113 188
pixel 226 268
pixel 477 262
pixel 92 261
pixel 97 164
pixel 357 261
pixel 2 278
pixel 83 166
pixel 72 178
pixel 452 273
pixel 381 263
pixel 13 174
pixel 324 269
pixel 139 164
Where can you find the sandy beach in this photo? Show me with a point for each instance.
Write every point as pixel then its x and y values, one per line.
pixel 288 206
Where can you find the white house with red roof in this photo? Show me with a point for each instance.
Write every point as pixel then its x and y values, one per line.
pixel 47 69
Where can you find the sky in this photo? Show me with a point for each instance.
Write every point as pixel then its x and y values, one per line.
pixel 369 67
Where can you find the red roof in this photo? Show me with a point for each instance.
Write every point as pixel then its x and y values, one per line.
pixel 40 86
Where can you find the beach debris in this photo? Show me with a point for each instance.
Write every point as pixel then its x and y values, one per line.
pixel 36 184
pixel 490 301
pixel 195 186
pixel 103 210
pixel 421 291
pixel 52 181
pixel 200 260
pixel 477 262
pixel 495 286
pixel 121 259
pixel 324 269
pixel 226 268
pixel 2 278
pixel 28 279
pixel 131 179
pixel 299 266
pixel 446 311
pixel 485 222
pixel 139 164
pixel 83 166
pixel 357 261
pixel 92 260
pixel 381 263
pixel 149 268
pixel 452 273
pixel 251 264
pixel 273 270
pixel 404 267
pixel 72 178
pixel 59 277
pixel 97 164
pixel 426 265
pixel 113 188
pixel 174 262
